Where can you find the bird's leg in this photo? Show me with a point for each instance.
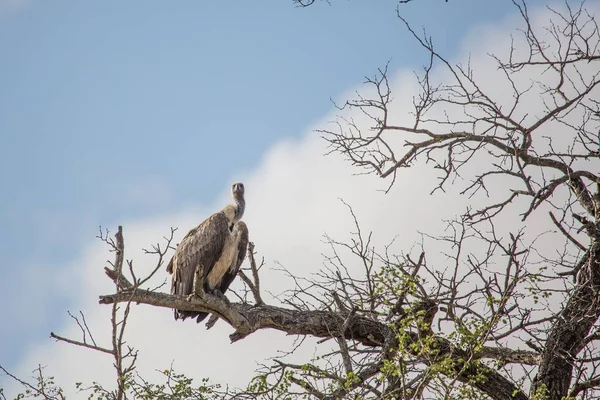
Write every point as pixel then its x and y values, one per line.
pixel 198 286
pixel 220 295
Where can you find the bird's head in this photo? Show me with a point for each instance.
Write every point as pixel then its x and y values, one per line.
pixel 237 189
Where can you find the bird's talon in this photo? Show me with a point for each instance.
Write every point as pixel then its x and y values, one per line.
pixel 192 296
pixel 221 296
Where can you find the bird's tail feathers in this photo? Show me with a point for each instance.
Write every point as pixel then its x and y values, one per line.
pixel 183 314
pixel 200 316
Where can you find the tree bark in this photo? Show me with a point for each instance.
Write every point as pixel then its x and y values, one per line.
pixel 571 327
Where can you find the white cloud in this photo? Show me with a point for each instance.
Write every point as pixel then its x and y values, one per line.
pixel 292 200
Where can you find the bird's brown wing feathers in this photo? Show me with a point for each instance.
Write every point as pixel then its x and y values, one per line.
pixel 201 246
pixel 242 245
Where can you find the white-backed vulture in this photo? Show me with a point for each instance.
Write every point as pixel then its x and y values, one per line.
pixel 217 246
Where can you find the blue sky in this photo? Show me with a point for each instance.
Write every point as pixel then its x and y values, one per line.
pixel 118 110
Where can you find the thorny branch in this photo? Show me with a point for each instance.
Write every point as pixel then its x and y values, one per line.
pixel 44 387
pixel 253 284
pixel 124 356
pixel 541 142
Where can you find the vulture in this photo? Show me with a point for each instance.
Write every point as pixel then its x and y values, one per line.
pixel 218 246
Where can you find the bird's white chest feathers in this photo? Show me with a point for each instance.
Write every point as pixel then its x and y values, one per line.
pixel 229 254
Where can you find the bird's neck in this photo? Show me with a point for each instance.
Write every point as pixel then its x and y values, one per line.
pixel 240 206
